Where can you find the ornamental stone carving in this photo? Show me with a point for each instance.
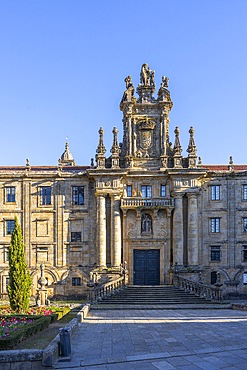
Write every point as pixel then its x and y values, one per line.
pixel 132 230
pixel 162 230
pixel 129 92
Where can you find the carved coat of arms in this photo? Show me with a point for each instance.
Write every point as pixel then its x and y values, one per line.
pixel 145 139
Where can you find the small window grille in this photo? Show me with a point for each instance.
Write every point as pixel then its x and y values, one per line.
pixel 146 191
pixel 129 190
pixel 76 281
pixel 10 225
pixel 215 192
pixel 215 253
pixel 244 253
pixel 77 195
pixel 215 224
pixel 76 236
pixel 45 195
pixel 245 224
pixel 10 194
pixel 244 192
pixel 213 277
pixel 163 190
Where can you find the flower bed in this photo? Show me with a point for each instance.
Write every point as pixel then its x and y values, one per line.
pixel 11 324
pixel 17 327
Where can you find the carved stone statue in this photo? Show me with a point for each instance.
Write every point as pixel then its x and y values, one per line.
pixel 164 82
pixel 128 81
pixel 146 223
pixel 152 78
pixel 129 92
pixel 146 76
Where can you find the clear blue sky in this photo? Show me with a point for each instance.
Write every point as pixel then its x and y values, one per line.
pixel 63 64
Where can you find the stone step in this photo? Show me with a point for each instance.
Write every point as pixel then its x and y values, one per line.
pixel 180 306
pixel 149 295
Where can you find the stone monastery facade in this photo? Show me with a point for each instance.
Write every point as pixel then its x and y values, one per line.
pixel 146 207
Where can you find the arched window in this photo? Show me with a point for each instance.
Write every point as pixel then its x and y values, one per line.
pixel 146 223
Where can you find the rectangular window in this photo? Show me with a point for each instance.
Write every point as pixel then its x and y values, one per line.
pixel 215 192
pixel 245 224
pixel 6 254
pixel 213 277
pixel 6 283
pixel 244 253
pixel 45 195
pixel 10 194
pixel 244 192
pixel 129 190
pixel 215 253
pixel 146 191
pixel 10 225
pixel 78 195
pixel 75 236
pixel 76 281
pixel 163 190
pixel 215 225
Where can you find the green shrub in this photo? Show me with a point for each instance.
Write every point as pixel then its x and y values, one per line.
pixel 20 280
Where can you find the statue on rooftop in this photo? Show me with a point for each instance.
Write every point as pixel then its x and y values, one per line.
pixel 164 82
pixel 129 92
pixel 146 76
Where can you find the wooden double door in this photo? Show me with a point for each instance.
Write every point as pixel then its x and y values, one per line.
pixel 146 267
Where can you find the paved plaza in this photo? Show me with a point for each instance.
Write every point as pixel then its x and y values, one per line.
pixel 160 339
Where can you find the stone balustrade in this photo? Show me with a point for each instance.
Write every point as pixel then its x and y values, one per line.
pixel 198 289
pixel 146 202
pixel 96 294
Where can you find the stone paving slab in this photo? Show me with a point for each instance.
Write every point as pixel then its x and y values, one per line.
pixel 160 339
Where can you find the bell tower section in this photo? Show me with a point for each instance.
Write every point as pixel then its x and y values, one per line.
pixel 146 123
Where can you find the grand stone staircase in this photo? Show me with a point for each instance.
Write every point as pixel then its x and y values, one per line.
pixel 154 297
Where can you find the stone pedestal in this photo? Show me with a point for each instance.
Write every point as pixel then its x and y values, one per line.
pixel 42 297
pixel 42 292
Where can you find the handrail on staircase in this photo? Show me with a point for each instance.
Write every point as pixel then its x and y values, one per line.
pixel 201 290
pixel 97 293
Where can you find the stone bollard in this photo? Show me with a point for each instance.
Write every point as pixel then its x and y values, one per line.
pixel 65 345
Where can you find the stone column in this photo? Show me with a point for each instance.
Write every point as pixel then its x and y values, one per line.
pixel 192 229
pixel 168 246
pixel 101 224
pixel 178 235
pixel 125 243
pixel 130 136
pixel 116 231
pixel 163 132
